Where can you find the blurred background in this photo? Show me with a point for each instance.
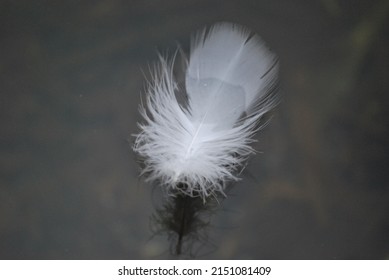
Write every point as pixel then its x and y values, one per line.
pixel 71 77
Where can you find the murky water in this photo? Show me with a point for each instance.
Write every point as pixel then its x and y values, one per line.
pixel 71 80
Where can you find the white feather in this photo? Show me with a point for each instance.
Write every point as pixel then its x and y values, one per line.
pixel 195 148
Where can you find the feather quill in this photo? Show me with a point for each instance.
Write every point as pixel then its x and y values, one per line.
pixel 197 146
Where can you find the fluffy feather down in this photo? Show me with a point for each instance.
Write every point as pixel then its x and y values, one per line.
pixel 230 81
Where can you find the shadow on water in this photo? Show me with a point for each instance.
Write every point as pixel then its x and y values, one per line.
pixel 185 221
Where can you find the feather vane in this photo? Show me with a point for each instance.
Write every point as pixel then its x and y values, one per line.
pixel 201 144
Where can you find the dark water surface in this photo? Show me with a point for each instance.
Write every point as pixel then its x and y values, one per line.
pixel 70 84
